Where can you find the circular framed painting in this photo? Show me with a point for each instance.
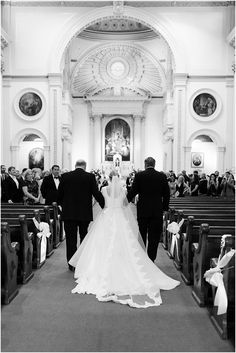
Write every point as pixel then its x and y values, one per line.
pixel 205 105
pixel 29 104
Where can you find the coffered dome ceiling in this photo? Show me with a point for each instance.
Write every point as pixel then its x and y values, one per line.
pixel 118 28
pixel 118 69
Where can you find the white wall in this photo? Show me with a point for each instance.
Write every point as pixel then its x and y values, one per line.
pixel 153 132
pixel 80 139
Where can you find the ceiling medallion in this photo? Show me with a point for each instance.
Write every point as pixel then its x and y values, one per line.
pixel 118 68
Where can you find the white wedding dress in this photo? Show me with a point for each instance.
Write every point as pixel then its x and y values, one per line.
pixel 111 263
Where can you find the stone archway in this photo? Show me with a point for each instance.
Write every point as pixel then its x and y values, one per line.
pixel 76 25
pixel 16 147
pixel 220 148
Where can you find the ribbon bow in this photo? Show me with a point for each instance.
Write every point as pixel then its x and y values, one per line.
pixel 44 232
pixel 174 228
pixel 215 278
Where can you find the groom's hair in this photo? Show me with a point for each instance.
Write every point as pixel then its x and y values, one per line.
pixel 80 164
pixel 149 162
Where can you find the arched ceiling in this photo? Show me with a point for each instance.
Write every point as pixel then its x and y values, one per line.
pixel 118 69
pixel 118 28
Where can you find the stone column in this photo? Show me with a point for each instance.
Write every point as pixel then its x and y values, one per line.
pixel 55 118
pixel 66 148
pixel 47 165
pixel 97 140
pixel 15 156
pixel 180 82
pixel 5 122
pixel 137 142
pixel 221 159
pixel 187 158
pixel 230 128
pixel 91 142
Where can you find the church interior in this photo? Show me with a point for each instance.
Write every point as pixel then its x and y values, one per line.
pixel 113 82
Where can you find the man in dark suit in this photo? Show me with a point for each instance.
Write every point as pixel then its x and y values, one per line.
pixel 50 184
pixel 153 198
pixel 13 187
pixel 75 193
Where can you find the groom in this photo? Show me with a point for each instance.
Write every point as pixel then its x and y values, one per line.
pixel 153 198
pixel 75 193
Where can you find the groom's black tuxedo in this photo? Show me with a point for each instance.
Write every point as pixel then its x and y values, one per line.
pixel 75 193
pixel 153 198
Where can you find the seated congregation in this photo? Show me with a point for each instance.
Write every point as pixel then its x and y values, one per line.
pixel 198 233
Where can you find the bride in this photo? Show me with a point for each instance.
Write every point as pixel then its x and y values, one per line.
pixel 111 262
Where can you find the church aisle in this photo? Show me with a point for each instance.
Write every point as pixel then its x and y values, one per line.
pixel 45 316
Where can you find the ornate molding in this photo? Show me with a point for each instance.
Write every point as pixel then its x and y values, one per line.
pixel 116 99
pixel 119 69
pixel 101 3
pixel 4 44
pixel 118 8
pixel 66 133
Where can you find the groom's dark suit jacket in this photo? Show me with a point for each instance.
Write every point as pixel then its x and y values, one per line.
pixel 154 193
pixel 75 193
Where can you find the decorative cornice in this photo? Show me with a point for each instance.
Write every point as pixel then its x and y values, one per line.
pixel 116 99
pixel 209 77
pixel 231 38
pixel 133 3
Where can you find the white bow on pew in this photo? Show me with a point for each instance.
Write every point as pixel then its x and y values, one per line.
pixel 215 278
pixel 44 233
pixel 174 228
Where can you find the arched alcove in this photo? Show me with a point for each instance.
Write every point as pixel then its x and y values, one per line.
pixel 30 149
pixel 205 151
pixel 77 24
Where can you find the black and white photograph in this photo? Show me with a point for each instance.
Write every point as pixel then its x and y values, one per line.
pixel 117 176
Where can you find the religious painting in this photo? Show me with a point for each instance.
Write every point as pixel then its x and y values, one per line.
pixel 30 104
pixel 204 105
pixel 197 160
pixel 36 158
pixel 117 140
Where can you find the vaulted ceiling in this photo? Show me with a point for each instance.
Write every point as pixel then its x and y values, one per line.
pixel 118 69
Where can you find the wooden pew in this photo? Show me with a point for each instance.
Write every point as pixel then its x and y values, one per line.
pixel 206 248
pixel 9 265
pixel 51 213
pixel 12 219
pixel 19 233
pixel 190 234
pixel 30 212
pixel 225 323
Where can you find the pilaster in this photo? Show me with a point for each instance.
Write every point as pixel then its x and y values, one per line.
pixel 55 117
pixel 180 84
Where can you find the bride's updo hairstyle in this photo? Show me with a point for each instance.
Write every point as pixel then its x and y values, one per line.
pixel 113 173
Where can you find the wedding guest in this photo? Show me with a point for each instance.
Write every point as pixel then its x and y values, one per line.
pixel 218 180
pixel 186 178
pixel 194 184
pixel 4 173
pixel 50 184
pixel 203 185
pixel 182 188
pixel 30 189
pixel 212 186
pixel 24 170
pixel 172 185
pixel 4 176
pixel 228 185
pixel 13 187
